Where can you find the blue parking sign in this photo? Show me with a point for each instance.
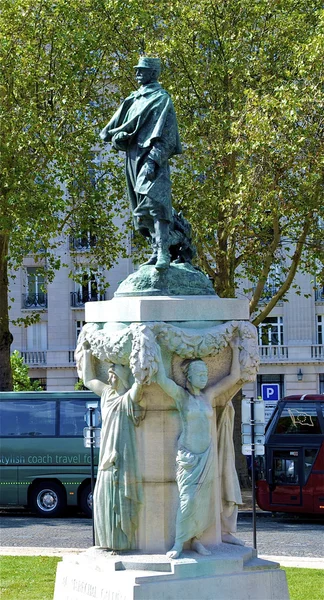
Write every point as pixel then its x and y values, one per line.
pixel 270 391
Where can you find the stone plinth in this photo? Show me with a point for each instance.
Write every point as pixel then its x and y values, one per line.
pixel 230 573
pixel 167 308
pixel 196 320
pixel 142 333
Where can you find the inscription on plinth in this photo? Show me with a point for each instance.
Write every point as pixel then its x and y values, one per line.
pixel 92 584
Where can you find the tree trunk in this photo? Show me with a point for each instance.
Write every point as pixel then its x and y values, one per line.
pixel 5 335
pixel 240 459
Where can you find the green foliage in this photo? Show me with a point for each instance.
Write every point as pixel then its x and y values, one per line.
pixel 21 380
pixel 28 577
pixel 246 79
pixel 79 386
pixel 56 60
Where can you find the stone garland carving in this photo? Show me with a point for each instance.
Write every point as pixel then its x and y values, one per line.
pixel 137 345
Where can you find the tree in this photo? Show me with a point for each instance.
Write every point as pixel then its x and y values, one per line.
pixel 54 70
pixel 246 78
pixel 21 380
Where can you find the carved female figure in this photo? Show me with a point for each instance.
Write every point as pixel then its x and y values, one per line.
pixel 118 490
pixel 195 457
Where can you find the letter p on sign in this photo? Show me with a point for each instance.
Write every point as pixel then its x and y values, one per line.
pixel 270 391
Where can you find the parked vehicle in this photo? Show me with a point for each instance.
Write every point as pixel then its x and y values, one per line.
pixel 292 476
pixel 44 464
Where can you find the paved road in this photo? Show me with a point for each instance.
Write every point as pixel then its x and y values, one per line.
pixel 281 536
pixel 284 536
pixel 70 532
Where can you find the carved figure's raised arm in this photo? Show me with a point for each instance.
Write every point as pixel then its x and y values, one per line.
pixel 89 378
pixel 228 382
pixel 171 388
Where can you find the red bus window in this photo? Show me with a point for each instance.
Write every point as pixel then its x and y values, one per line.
pixel 298 418
pixel 309 459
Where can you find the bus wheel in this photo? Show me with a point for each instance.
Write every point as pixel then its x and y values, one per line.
pixel 47 499
pixel 86 501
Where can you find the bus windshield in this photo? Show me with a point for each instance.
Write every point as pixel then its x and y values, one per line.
pixel 298 418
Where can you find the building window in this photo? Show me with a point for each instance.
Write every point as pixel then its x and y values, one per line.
pixel 269 379
pixel 319 293
pixel 37 337
pixel 85 241
pixel 320 322
pixel 270 332
pixel 273 283
pixel 35 296
pixel 87 289
pixel 79 325
pixel 321 383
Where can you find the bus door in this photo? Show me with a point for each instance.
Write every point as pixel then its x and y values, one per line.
pixel 285 476
pixel 313 490
pixel 9 461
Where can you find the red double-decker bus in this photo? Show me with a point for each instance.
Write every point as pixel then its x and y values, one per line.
pixel 292 477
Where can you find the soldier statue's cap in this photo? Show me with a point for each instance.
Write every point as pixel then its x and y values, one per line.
pixel 146 62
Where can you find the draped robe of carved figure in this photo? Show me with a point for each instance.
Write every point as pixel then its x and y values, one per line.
pixel 118 491
pixel 195 457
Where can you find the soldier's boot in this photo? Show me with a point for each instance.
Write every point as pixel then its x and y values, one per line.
pixel 153 258
pixel 163 259
pixel 162 242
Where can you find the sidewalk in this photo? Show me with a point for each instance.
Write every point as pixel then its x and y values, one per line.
pixel 302 562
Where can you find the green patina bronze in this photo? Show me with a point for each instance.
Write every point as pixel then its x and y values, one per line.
pixel 178 280
pixel 145 128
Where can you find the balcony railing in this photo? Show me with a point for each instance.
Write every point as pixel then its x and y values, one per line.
pixel 268 292
pixel 34 357
pixel 317 351
pixel 78 299
pixel 319 293
pixel 292 353
pixel 33 301
pixel 273 352
pixel 83 243
pixel 71 356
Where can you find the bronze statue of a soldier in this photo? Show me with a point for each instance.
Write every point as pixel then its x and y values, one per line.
pixel 145 128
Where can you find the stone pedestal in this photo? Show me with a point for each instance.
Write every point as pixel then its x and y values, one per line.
pixel 230 573
pixel 127 330
pixel 187 309
pixel 157 436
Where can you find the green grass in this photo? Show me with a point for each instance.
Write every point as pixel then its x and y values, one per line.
pixel 33 578
pixel 27 577
pixel 305 584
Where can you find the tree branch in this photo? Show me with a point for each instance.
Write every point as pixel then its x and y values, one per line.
pixel 291 273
